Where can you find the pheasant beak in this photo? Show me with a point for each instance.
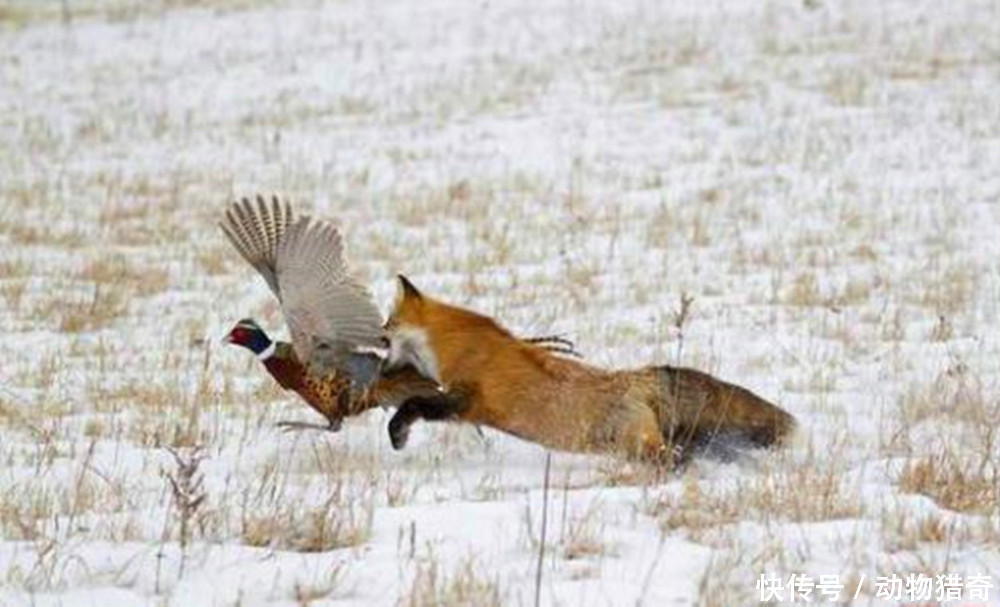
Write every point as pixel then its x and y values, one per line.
pixel 228 339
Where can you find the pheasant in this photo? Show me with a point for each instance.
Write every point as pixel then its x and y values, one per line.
pixel 334 361
pixel 329 395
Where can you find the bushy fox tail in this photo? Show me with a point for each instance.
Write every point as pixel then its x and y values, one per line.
pixel 695 407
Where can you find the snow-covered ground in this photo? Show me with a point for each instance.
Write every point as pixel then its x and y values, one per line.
pixel 822 177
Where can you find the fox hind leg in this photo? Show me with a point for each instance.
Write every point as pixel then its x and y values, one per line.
pixel 636 431
pixel 641 438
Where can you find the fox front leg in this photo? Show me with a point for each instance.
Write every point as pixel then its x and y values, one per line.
pixel 430 408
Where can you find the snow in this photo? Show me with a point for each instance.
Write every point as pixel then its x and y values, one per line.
pixel 820 176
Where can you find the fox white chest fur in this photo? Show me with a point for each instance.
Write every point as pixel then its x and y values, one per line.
pixel 411 345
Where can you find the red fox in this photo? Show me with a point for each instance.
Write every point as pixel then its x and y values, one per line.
pixel 491 378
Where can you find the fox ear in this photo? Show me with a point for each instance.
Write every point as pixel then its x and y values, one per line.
pixel 407 289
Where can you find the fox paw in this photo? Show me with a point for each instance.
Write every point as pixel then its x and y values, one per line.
pixel 399 431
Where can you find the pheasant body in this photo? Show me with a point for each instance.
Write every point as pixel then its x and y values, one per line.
pixel 331 395
pixel 328 395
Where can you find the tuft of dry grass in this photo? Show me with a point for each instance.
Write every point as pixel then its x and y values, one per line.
pixel 848 86
pixel 24 14
pixel 117 270
pixel 330 584
pixel 106 304
pixel 281 520
pixel 584 535
pixel 807 493
pixel 953 485
pixel 905 531
pixel 805 291
pixel 694 510
pixel 104 288
pixel 723 582
pixel 467 585
pixel 307 529
pixel 955 395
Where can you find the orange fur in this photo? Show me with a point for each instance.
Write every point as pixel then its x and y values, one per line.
pixel 566 404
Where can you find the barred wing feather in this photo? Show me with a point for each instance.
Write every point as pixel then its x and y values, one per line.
pixel 329 312
pixel 255 229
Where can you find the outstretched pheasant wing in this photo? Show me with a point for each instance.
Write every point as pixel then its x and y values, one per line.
pixel 256 228
pixel 330 313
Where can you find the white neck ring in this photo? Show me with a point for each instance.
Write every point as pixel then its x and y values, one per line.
pixel 267 352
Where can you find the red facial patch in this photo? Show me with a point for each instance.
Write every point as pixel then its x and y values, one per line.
pixel 239 335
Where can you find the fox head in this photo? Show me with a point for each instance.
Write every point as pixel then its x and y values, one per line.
pixel 432 335
pixel 408 331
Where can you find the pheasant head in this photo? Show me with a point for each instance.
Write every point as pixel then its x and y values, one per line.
pixel 247 333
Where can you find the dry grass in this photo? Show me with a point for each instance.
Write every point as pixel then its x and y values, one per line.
pixel 117 270
pixel 272 516
pixel 694 511
pixel 42 510
pixel 801 495
pixel 952 485
pixel 584 535
pixel 331 584
pixel 98 295
pixel 23 13
pixel 723 581
pixel 904 532
pixel 467 585
pixel 98 310
pixel 804 494
pixel 316 529
pixel 955 395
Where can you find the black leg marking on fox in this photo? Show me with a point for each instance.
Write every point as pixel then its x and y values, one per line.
pixel 432 408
